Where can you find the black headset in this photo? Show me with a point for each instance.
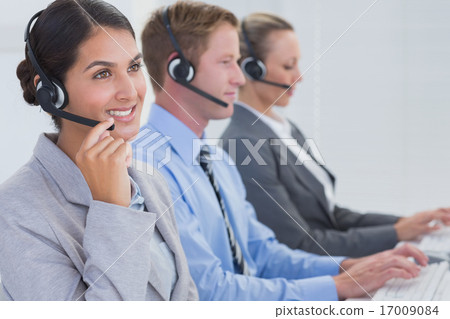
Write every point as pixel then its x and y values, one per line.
pixel 180 69
pixel 50 93
pixel 253 67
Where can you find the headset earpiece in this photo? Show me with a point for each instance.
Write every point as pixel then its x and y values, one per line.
pixel 54 95
pixel 45 96
pixel 253 68
pixel 62 98
pixel 180 70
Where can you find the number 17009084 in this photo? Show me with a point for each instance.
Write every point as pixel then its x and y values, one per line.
pixel 409 310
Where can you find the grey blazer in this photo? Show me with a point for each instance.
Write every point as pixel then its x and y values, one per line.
pixel 57 243
pixel 301 197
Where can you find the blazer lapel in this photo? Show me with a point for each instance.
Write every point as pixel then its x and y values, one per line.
pixel 66 174
pixel 166 224
pixel 244 118
pixel 315 186
pixel 301 141
pixel 153 205
pixel 308 180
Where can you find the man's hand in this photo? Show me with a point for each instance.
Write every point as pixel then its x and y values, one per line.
pixel 363 275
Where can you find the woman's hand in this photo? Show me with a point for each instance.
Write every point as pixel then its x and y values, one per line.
pixel 409 228
pixel 103 161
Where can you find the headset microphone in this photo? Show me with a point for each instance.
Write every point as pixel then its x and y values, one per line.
pixel 181 70
pixel 50 93
pixel 253 67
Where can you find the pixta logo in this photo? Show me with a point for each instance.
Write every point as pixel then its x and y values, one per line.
pixel 151 150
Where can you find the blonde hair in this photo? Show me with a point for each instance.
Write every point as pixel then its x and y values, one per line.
pixel 191 23
pixel 258 27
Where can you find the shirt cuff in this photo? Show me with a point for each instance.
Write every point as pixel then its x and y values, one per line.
pixel 318 289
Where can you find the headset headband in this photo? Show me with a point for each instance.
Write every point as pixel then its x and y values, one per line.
pixel 171 35
pixel 45 80
pixel 247 41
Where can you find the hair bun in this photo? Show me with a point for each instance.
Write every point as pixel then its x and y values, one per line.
pixel 24 73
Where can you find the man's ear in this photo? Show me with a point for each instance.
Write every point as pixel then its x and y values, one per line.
pixel 172 56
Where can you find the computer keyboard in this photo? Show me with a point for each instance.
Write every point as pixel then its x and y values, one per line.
pixel 436 241
pixel 431 284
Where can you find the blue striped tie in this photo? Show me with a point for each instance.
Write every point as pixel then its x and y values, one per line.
pixel 206 164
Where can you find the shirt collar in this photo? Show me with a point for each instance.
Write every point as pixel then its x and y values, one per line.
pixel 183 140
pixel 137 201
pixel 280 128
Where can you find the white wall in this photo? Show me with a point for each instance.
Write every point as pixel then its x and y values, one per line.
pixel 376 103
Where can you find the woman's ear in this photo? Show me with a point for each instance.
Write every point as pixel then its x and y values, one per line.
pixel 37 78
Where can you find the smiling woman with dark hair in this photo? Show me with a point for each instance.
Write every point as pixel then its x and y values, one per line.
pixel 77 222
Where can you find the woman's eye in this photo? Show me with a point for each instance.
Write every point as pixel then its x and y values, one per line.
pixel 102 75
pixel 135 67
pixel 288 67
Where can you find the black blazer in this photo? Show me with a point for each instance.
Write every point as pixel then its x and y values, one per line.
pixel 290 200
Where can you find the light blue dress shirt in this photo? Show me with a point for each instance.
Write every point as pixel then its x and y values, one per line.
pixel 278 273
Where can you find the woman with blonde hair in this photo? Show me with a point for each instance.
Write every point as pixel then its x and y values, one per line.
pixel 293 193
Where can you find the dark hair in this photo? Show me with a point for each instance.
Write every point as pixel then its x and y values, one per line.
pixel 58 33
